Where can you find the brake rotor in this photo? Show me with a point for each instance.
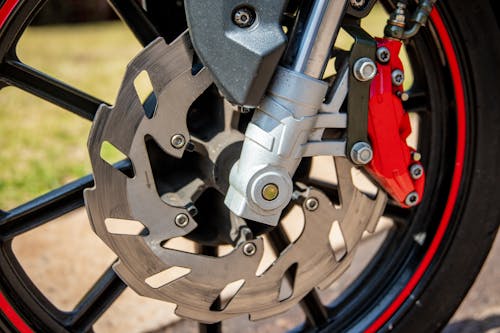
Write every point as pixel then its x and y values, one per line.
pixel 200 284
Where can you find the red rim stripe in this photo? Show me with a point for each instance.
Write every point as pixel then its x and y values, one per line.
pixel 6 10
pixel 457 175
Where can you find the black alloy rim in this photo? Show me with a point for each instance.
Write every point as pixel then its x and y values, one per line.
pixel 380 282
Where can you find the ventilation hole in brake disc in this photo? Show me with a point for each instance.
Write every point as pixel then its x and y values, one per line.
pixel 268 258
pixel 227 295
pixel 125 227
pixel 288 283
pixel 112 155
pixel 293 223
pixel 144 89
pixel 363 183
pixel 167 276
pixel 181 244
pixel 337 241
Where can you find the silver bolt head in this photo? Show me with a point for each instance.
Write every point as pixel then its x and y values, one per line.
pixel 398 77
pixel 412 199
pixel 361 153
pixel 181 220
pixel 244 17
pixel 249 249
pixel 416 156
pixel 364 69
pixel 312 204
pixel 416 171
pixel 357 3
pixel 383 54
pixel 178 141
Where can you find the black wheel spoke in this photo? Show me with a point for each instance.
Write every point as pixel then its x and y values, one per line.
pixel 43 209
pixel 399 214
pixel 316 313
pixel 18 74
pixel 99 298
pixel 210 328
pixel 136 19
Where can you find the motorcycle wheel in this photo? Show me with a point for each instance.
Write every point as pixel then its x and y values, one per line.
pixel 409 285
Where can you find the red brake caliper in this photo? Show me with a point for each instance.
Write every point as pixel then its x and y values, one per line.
pixel 395 165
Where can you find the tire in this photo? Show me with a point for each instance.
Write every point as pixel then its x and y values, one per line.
pixel 408 286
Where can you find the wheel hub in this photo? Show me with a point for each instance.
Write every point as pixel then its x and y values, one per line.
pixel 205 288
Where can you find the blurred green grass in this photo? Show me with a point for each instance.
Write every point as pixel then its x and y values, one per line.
pixel 44 146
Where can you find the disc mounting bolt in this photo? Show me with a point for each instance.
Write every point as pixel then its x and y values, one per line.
pixel 312 204
pixel 364 69
pixel 178 141
pixel 249 249
pixel 181 220
pixel 361 153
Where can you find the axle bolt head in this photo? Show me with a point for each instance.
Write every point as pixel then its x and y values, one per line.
pixel 398 77
pixel 412 199
pixel 416 171
pixel 361 153
pixel 270 191
pixel 244 17
pixel 312 204
pixel 181 220
pixel 383 54
pixel 178 141
pixel 249 249
pixel 364 69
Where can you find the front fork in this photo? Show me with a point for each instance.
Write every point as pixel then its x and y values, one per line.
pixel 293 115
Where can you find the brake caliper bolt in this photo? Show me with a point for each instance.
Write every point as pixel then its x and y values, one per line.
pixel 361 153
pixel 244 17
pixel 270 192
pixel 412 199
pixel 357 3
pixel 364 69
pixel 181 220
pixel 178 141
pixel 249 249
pixel 383 54
pixel 398 77
pixel 312 204
pixel 416 171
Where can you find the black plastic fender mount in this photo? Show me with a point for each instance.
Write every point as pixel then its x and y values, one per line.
pixel 242 60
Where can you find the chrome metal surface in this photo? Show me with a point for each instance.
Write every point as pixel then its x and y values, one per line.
pixel 364 69
pixel 312 204
pixel 412 199
pixel 318 37
pixel 383 54
pixel 362 153
pixel 181 220
pixel 398 77
pixel 178 141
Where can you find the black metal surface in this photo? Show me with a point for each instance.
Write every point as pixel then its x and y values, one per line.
pixel 18 74
pixel 359 92
pixel 241 60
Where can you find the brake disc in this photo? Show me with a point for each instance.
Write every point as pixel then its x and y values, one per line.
pixel 200 284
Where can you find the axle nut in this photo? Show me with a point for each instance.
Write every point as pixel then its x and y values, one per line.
pixel 361 153
pixel 364 69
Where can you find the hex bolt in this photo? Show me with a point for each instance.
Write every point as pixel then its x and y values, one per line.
pixel 398 77
pixel 312 204
pixel 270 192
pixel 383 54
pixel 244 17
pixel 361 153
pixel 178 141
pixel 181 220
pixel 364 69
pixel 416 171
pixel 412 199
pixel 357 3
pixel 249 249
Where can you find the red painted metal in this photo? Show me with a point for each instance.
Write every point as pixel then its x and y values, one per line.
pixel 458 87
pixel 388 128
pixel 6 10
